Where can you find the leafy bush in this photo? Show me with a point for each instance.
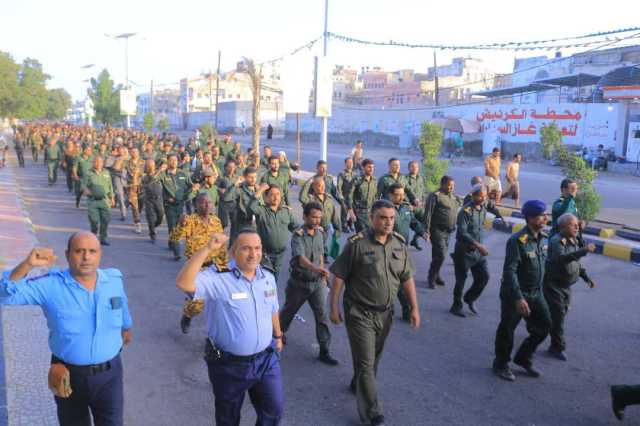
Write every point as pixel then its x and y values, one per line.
pixel 431 138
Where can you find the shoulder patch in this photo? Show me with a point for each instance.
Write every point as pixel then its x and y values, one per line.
pixel 399 236
pixel 299 232
pixel 222 269
pixel 39 277
pixel 356 237
pixel 563 241
pixel 523 238
pixel 113 272
pixel 467 210
pixel 544 234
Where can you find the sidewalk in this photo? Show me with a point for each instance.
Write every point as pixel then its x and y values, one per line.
pixel 24 396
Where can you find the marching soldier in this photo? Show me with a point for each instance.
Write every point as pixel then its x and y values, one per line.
pixel 196 229
pixel 242 216
pixel 562 271
pixel 275 176
pixel 175 189
pixel 228 191
pixel 404 221
pixel 521 294
pixel 330 216
pixel 345 181
pixel 134 171
pixel 99 190
pixel 274 222
pixel 470 252
pixel 152 197
pixel 372 266
pixel 393 176
pixel 308 279
pixel 70 157
pixel 36 145
pixel 80 169
pixel 440 221
pixel 363 194
pixel 414 182
pixel 329 185
pixel 53 155
pixel 565 204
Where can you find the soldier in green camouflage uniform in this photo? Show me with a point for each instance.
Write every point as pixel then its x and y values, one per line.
pixel 345 181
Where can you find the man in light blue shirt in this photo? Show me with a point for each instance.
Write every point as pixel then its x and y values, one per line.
pixel 244 336
pixel 88 317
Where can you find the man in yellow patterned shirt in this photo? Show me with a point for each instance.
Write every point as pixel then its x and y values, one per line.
pixel 197 229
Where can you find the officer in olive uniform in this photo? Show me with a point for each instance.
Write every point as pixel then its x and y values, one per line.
pixel 363 193
pixel 152 197
pixel 18 145
pixel 70 158
pixel 470 252
pixel 372 266
pixel 565 204
pixel 274 222
pixel 275 176
pixel 81 168
pixel 441 213
pixel 53 155
pixel 36 145
pixel 405 221
pixel 330 216
pixel 414 182
pixel 242 216
pixel 521 294
pixel 392 177
pixel 345 181
pixel 175 190
pixel 329 186
pixel 208 187
pixel 99 191
pixel 308 279
pixel 562 271
pixel 229 191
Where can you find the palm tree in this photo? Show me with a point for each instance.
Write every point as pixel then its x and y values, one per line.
pixel 255 78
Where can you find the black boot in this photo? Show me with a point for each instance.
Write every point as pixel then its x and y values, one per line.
pixel 326 358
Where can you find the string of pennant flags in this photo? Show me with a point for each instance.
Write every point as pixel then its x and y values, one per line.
pixel 511 45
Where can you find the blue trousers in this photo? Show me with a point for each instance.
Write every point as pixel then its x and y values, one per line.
pixel 101 393
pixel 230 381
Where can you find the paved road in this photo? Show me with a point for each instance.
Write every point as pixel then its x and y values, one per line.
pixel 437 375
pixel 620 193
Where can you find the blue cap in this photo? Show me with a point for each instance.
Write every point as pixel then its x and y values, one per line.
pixel 533 208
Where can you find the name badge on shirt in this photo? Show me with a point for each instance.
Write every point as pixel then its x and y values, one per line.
pixel 238 296
pixel 116 302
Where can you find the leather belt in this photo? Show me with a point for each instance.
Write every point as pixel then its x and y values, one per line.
pixel 86 370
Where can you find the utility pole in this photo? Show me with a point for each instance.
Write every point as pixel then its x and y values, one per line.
pixel 325 120
pixel 217 88
pixel 126 37
pixel 210 95
pixel 435 79
pixel 151 100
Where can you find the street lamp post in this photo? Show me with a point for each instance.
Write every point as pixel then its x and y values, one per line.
pixel 126 37
pixel 325 123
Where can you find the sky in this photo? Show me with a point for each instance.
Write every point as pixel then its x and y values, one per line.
pixel 177 39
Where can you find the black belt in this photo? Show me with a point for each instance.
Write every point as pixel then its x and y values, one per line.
pixel 228 356
pixel 86 370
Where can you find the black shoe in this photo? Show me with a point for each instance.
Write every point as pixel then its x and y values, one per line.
pixel 616 405
pixel 528 368
pixel 153 240
pixel 472 308
pixel 557 354
pixel 326 358
pixel 377 421
pixel 504 373
pixel 77 204
pixel 352 386
pixel 440 282
pixel 415 244
pixel 177 257
pixel 185 324
pixel 104 243
pixel 431 285
pixel 457 310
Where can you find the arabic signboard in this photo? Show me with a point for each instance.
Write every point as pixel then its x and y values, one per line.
pixel 297 79
pixel 324 87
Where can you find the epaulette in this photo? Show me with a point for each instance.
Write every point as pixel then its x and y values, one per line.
pixel 223 269
pixel 299 232
pixel 563 241
pixel 399 236
pixel 467 209
pixel 544 234
pixel 524 238
pixel 286 207
pixel 113 272
pixel 356 237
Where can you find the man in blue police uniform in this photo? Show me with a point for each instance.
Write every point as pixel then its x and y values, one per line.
pixel 88 317
pixel 244 336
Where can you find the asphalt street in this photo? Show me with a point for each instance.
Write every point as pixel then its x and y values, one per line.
pixel 437 375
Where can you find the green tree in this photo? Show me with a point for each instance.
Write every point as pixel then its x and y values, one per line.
pixel 33 96
pixel 574 167
pixel 106 99
pixel 550 139
pixel 8 85
pixel 147 122
pixel 58 103
pixel 163 124
pixel 431 138
pixel 207 131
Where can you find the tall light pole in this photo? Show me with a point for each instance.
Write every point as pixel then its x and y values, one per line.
pixel 87 113
pixel 217 88
pixel 325 120
pixel 126 37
